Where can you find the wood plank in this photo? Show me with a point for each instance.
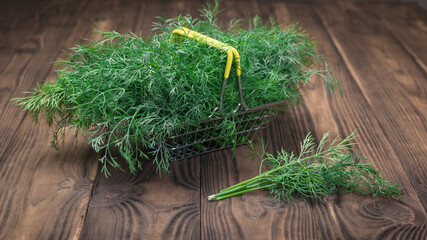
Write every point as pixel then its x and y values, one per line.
pixel 26 25
pixel 18 18
pixel 29 62
pixel 145 205
pixel 45 193
pixel 31 66
pixel 374 58
pixel 251 215
pixel 350 216
pixel 408 23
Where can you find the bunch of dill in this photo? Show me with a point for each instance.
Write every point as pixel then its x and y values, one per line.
pixel 322 170
pixel 127 93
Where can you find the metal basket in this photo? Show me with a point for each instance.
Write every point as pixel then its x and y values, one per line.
pixel 208 137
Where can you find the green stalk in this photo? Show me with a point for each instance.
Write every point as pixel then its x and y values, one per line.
pixel 252 184
pixel 267 173
pixel 323 172
pixel 123 92
pixel 221 196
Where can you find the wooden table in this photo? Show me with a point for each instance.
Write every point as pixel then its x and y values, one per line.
pixel 378 51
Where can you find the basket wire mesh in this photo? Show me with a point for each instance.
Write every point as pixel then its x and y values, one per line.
pixel 209 136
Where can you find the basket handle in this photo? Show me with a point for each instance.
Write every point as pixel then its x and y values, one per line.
pixel 230 51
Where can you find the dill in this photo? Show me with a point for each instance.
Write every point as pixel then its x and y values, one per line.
pixel 127 93
pixel 322 170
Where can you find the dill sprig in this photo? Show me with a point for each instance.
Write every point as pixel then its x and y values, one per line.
pixel 322 170
pixel 126 93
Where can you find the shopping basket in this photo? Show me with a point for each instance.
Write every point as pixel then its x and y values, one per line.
pixel 209 137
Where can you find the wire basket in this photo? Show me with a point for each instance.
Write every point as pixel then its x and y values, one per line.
pixel 209 137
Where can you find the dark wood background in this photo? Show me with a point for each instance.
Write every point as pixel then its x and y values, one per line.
pixel 377 50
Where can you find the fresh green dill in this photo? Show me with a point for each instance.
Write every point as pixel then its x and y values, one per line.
pixel 330 167
pixel 127 93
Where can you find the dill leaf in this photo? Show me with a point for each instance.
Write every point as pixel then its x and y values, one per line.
pixel 319 170
pixel 127 94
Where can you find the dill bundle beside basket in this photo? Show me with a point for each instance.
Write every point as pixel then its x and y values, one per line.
pixel 165 97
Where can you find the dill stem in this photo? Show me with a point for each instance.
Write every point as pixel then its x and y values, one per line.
pixel 253 183
pixel 254 178
pixel 123 92
pixel 249 184
pixel 220 196
pixel 322 172
pixel 269 172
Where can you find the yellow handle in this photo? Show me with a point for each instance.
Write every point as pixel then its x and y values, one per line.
pixel 230 51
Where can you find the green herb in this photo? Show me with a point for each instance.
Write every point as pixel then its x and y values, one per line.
pixel 125 93
pixel 330 167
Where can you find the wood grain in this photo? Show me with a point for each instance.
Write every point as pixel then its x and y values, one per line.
pixel 48 195
pixel 351 216
pixel 240 217
pixel 30 57
pixel 372 57
pixel 145 205
pixel 378 52
pixel 407 23
pixel 44 193
pixel 408 26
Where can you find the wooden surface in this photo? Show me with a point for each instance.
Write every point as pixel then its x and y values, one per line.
pixel 377 50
